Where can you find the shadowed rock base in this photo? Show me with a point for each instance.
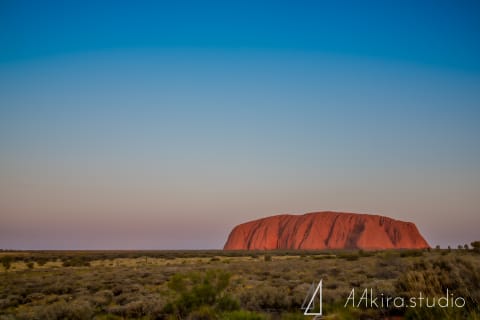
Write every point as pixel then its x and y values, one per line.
pixel 325 230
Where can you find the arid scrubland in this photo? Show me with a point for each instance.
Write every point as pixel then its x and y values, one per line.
pixel 231 285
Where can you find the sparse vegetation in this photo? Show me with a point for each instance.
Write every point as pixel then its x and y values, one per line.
pixel 202 285
pixel 476 246
pixel 7 261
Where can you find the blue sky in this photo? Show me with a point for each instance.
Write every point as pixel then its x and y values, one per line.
pixel 441 33
pixel 162 125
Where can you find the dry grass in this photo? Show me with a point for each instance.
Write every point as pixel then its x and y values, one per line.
pixel 118 285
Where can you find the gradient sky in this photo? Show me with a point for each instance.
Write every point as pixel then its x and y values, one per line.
pixel 161 125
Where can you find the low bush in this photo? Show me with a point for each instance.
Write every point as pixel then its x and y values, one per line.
pixel 76 262
pixel 243 315
pixel 196 290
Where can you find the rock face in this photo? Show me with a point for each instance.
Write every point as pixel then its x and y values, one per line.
pixel 325 230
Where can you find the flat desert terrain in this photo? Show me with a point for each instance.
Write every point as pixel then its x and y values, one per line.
pixel 236 284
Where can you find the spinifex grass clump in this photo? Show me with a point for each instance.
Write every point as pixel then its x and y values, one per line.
pixel 196 291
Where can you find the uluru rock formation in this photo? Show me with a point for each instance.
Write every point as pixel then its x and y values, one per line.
pixel 325 230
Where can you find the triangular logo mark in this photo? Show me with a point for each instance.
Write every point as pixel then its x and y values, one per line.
pixel 313 293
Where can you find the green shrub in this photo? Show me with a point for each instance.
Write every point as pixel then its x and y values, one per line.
pixel 266 297
pixel 73 310
pixel 76 262
pixel 227 303
pixel 476 246
pixel 203 313
pixel 243 315
pixel 437 313
pixel 411 253
pixel 196 290
pixel 108 317
pixel 349 256
pixel 6 262
pixel 293 316
pixel 41 261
